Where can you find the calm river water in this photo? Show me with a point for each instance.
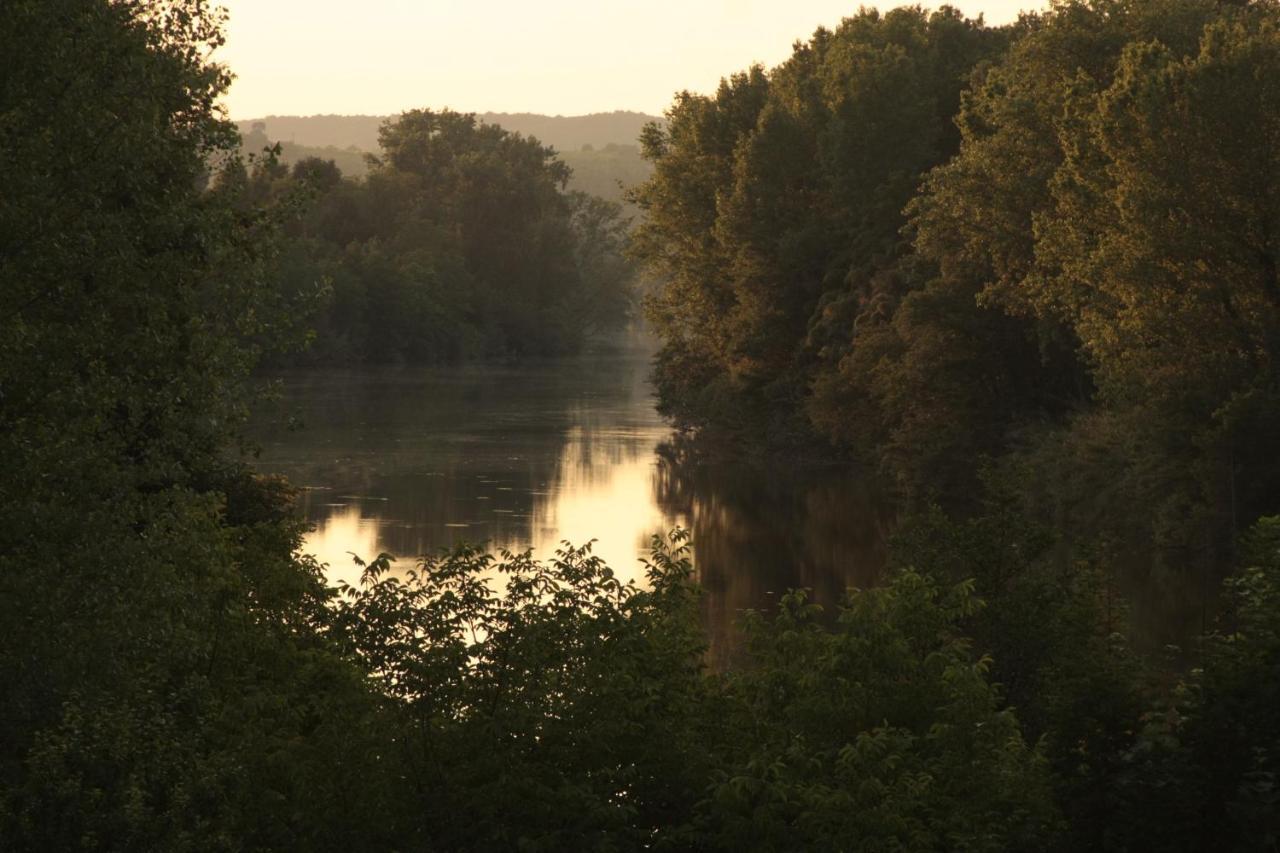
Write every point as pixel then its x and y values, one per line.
pixel 412 460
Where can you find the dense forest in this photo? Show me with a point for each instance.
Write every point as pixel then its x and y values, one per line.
pixel 461 241
pixel 1025 274
pixel 1031 264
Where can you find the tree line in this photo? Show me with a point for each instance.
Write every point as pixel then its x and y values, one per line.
pixel 460 242
pixel 1043 252
pixel 177 675
pixel 605 170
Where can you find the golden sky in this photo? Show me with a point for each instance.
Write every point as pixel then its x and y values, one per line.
pixel 568 57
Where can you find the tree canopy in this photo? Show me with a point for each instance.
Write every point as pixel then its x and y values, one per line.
pixel 936 247
pixel 1028 273
pixel 461 242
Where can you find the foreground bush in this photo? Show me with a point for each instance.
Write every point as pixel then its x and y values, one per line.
pixel 550 706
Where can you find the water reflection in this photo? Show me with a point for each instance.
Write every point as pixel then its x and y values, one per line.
pixel 759 533
pixel 603 491
pixel 409 461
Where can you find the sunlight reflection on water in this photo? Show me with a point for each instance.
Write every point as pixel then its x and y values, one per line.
pixel 609 499
pixel 410 461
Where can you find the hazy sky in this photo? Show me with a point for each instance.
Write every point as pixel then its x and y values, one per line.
pixel 300 57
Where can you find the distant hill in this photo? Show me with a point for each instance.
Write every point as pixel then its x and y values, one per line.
pixel 601 148
pixel 564 133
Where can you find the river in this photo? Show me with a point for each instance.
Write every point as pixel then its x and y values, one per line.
pixel 410 460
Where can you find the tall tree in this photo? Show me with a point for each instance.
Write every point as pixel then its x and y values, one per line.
pixel 783 194
pixel 153 611
pixel 461 242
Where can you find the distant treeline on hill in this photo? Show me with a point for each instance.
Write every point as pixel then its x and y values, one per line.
pixel 564 133
pixel 602 148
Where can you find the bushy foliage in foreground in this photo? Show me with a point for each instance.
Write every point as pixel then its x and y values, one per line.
pixel 538 705
pixel 1204 773
pixel 547 706
pixel 160 679
pixel 883 727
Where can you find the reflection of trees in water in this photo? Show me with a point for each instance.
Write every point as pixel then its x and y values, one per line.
pixel 759 532
pixel 414 513
pixel 419 452
pixel 522 455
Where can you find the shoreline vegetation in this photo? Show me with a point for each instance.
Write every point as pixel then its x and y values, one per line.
pixel 1028 273
pixel 460 243
pixel 1024 269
